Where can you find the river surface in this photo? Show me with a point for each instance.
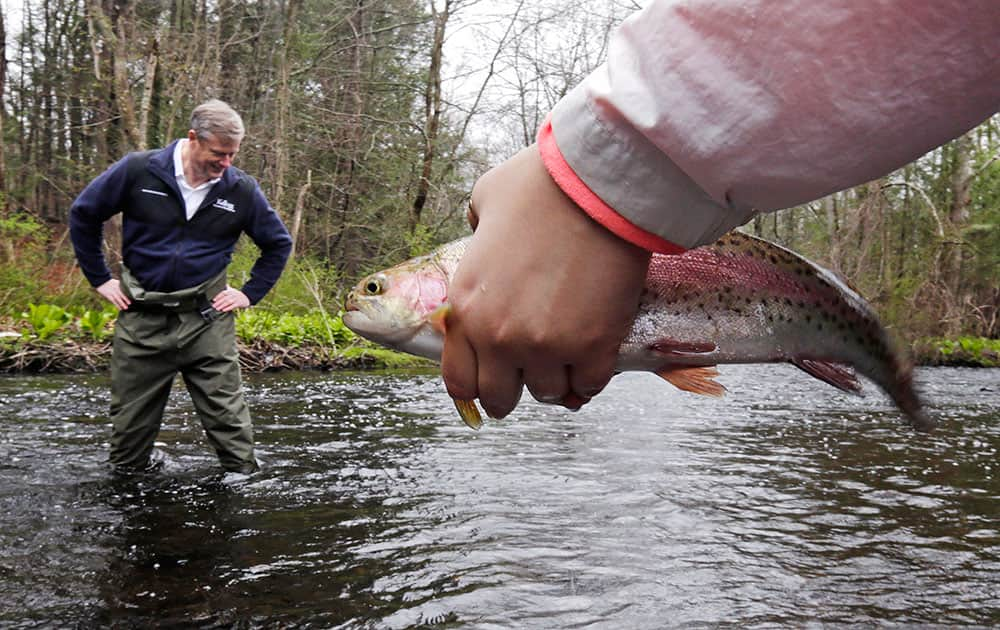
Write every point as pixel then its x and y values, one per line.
pixel 787 503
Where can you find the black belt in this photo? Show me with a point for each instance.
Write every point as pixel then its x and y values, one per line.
pixel 190 304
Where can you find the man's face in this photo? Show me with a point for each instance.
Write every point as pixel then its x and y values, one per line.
pixel 211 156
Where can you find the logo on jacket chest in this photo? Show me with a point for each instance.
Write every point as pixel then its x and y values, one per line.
pixel 223 204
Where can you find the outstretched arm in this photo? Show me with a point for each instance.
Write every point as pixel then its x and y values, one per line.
pixel 706 112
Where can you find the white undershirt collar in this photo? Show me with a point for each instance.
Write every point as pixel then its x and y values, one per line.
pixel 193 197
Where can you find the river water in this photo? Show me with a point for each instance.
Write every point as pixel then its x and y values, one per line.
pixel 787 503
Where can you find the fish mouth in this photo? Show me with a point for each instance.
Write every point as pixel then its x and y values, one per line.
pixel 373 330
pixel 351 303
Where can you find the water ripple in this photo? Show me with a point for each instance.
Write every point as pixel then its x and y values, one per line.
pixel 785 503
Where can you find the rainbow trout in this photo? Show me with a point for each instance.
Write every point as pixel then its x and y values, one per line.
pixel 739 300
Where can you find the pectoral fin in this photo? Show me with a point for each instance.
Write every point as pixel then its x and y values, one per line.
pixel 438 319
pixel 698 380
pixel 469 412
pixel 840 376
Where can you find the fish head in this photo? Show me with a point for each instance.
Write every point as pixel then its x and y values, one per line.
pixel 393 307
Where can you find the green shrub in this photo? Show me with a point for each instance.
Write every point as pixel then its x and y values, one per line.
pixel 45 319
pixel 314 328
pixel 978 351
pixel 97 323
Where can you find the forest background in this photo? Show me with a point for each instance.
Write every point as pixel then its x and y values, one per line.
pixel 369 120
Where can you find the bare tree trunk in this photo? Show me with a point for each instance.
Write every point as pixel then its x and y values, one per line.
pixel 3 83
pixel 300 203
pixel 118 41
pixel 283 105
pixel 432 112
pixel 149 83
pixel 354 129
pixel 829 206
pixel 958 217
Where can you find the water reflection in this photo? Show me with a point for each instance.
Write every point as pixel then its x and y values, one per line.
pixel 788 504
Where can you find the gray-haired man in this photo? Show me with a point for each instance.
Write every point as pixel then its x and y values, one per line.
pixel 183 209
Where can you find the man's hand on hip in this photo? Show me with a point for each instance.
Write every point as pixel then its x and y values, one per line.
pixel 112 292
pixel 230 299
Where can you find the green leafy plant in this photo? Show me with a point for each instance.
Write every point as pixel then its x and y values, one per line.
pixel 96 322
pixel 45 319
pixel 313 328
pixel 978 351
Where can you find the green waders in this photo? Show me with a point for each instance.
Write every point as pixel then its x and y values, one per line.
pixel 162 334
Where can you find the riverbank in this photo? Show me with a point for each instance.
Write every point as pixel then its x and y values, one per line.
pixel 48 339
pixel 75 356
pixel 68 356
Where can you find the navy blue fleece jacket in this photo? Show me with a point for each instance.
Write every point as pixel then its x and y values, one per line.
pixel 162 249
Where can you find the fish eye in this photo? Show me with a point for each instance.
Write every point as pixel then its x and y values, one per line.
pixel 373 286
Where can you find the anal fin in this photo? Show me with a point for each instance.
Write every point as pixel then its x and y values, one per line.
pixel 697 380
pixel 840 376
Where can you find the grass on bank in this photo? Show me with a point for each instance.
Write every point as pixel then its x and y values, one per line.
pixel 322 337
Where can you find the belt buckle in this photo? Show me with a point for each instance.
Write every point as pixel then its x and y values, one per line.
pixel 210 314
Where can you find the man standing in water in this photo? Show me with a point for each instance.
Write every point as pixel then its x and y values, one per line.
pixel 183 209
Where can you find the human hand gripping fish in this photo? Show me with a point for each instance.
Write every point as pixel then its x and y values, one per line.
pixel 739 300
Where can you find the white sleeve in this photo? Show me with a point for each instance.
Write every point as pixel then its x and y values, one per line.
pixel 708 111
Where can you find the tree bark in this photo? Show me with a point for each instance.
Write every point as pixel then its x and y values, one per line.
pixel 3 82
pixel 432 112
pixel 958 217
pixel 300 203
pixel 115 36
